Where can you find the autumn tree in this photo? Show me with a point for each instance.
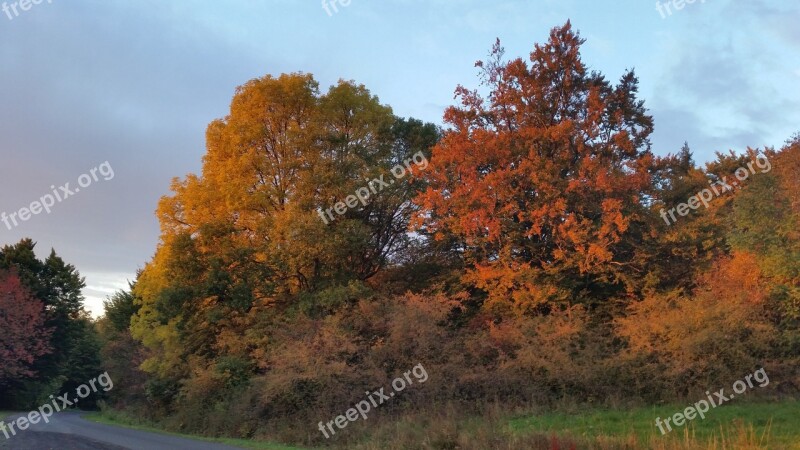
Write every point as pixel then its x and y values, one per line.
pixel 245 238
pixel 75 356
pixel 23 334
pixel 683 341
pixel 765 219
pixel 545 180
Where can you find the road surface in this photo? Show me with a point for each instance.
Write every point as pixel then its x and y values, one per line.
pixel 69 431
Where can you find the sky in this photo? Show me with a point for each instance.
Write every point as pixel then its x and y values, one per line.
pixel 128 87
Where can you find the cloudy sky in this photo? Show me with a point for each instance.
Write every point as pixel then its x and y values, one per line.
pixel 135 83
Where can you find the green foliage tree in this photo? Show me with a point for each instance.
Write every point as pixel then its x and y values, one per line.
pixel 121 354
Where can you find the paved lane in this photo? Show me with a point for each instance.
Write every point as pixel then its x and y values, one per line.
pixel 69 431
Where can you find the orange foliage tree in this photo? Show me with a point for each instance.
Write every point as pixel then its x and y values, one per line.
pixel 545 181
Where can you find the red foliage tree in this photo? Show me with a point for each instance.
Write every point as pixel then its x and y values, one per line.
pixel 543 181
pixel 23 335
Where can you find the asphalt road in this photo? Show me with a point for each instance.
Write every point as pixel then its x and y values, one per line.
pixel 69 431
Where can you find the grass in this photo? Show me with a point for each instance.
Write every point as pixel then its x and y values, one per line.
pixel 4 414
pixel 758 425
pixel 774 424
pixel 118 419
